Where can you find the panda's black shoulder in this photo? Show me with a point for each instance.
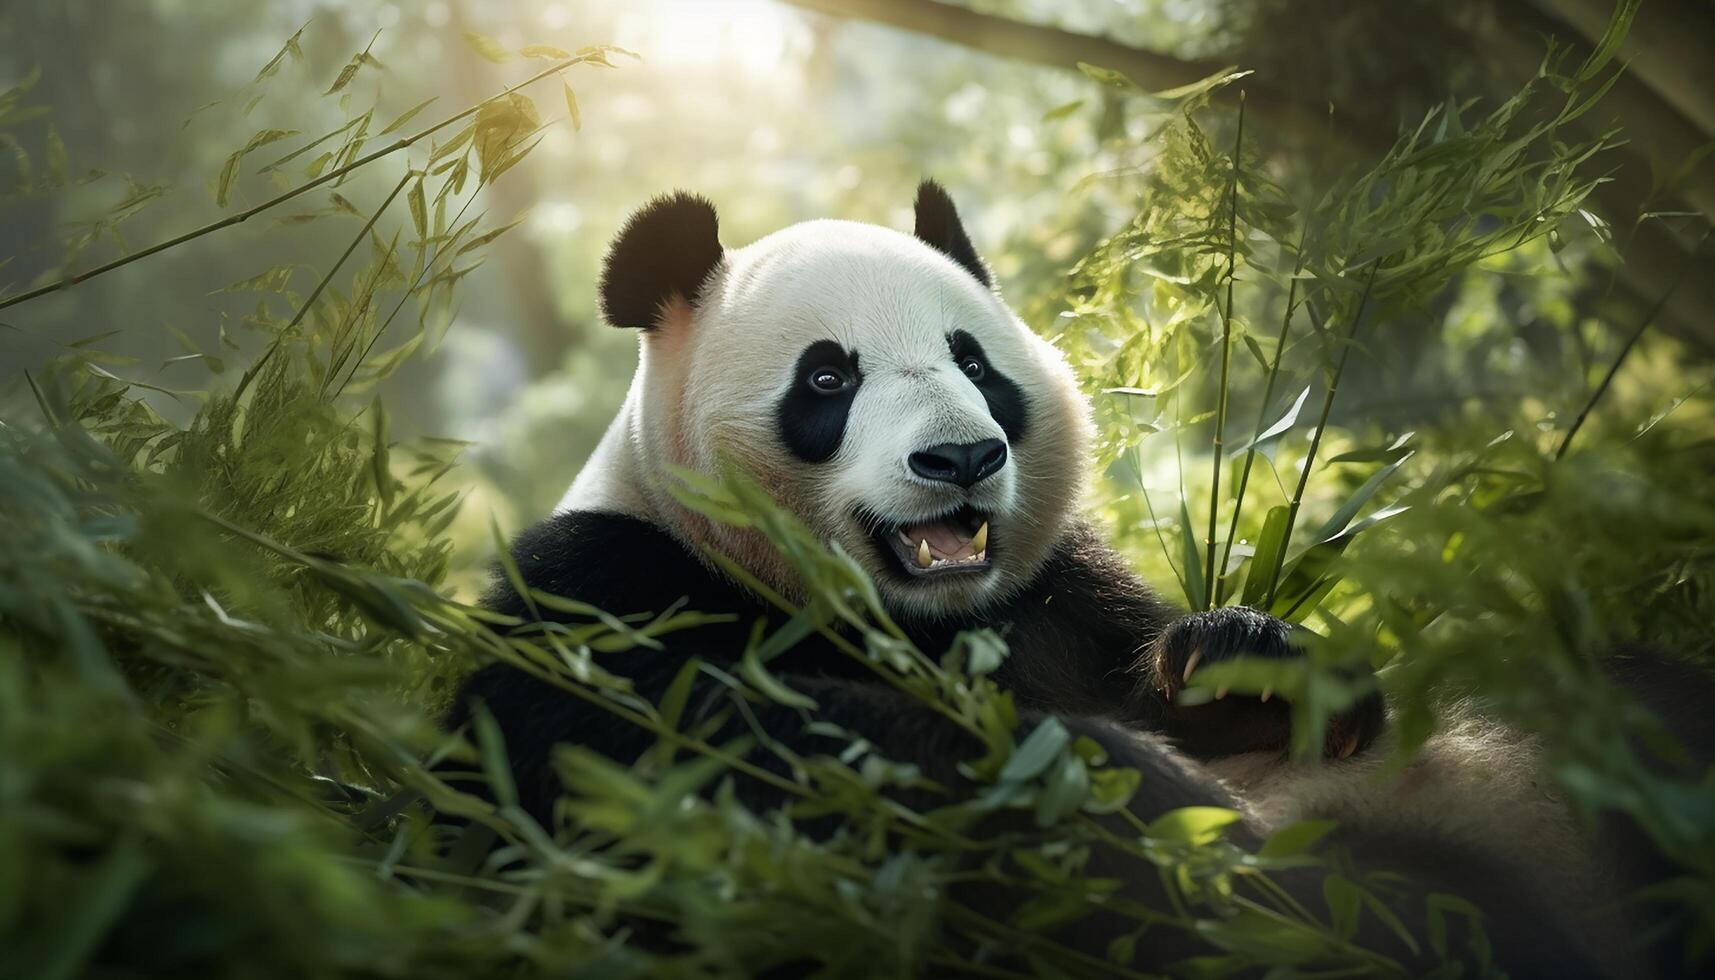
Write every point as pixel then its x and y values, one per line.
pixel 618 563
pixel 1092 584
pixel 1074 625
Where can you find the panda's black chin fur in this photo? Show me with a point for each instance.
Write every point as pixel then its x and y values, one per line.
pixel 963 544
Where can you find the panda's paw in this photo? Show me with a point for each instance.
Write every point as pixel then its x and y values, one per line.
pixel 1233 724
pixel 1216 636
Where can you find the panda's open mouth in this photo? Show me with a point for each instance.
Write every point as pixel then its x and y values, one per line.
pixel 945 545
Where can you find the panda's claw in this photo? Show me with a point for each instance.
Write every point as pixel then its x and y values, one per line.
pixel 1191 663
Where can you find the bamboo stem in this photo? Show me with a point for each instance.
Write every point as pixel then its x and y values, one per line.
pixel 1261 419
pixel 1316 437
pixel 315 294
pixel 1643 324
pixel 1226 365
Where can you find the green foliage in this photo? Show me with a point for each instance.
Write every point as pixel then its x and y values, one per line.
pixel 226 629
pixel 1467 563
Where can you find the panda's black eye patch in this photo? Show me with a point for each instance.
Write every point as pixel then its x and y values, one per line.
pixel 1005 400
pixel 812 414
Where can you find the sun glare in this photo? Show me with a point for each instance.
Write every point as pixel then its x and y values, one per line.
pixel 751 35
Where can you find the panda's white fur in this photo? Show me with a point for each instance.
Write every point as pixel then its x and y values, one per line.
pixel 709 379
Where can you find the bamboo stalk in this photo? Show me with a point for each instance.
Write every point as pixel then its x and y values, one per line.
pixel 1316 437
pixel 1226 365
pixel 1631 341
pixel 1261 419
pixel 315 294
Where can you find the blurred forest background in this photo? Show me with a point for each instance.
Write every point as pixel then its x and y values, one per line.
pixel 243 507
pixel 785 111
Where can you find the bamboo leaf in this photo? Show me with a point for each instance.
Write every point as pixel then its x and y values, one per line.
pixel 488 236
pixel 1192 558
pixel 1295 838
pixel 1343 515
pixel 546 51
pixel 488 47
pixel 1280 427
pixel 572 109
pixel 289 49
pixel 1268 557
pixel 1039 749
pixel 1608 45
pixel 419 210
pixel 1196 825
pixel 229 172
pixel 1344 901
pixel 1062 111
pixel 755 674
pixel 407 116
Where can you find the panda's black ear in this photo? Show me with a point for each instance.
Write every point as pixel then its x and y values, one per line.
pixel 938 225
pixel 666 250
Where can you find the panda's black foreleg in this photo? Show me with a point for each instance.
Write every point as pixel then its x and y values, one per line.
pixel 1090 637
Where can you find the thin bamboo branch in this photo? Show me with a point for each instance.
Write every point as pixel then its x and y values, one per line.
pixel 304 188
pixel 1670 48
pixel 1261 419
pixel 1316 437
pixel 316 294
pixel 1631 341
pixel 1209 576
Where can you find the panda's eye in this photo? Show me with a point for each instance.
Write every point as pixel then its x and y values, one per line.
pixel 972 367
pixel 829 381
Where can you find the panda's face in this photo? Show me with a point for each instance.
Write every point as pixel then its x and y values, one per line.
pixel 882 392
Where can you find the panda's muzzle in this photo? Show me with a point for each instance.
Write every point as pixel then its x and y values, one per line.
pixel 949 544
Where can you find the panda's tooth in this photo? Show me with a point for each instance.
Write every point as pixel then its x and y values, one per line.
pixel 980 541
pixel 923 558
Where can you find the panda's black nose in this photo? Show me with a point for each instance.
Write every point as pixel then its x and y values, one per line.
pixel 964 463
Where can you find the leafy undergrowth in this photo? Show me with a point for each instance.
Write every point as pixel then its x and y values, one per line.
pixel 224 639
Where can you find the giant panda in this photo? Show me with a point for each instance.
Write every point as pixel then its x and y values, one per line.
pixel 880 388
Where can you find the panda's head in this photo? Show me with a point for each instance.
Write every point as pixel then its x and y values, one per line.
pixel 872 380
